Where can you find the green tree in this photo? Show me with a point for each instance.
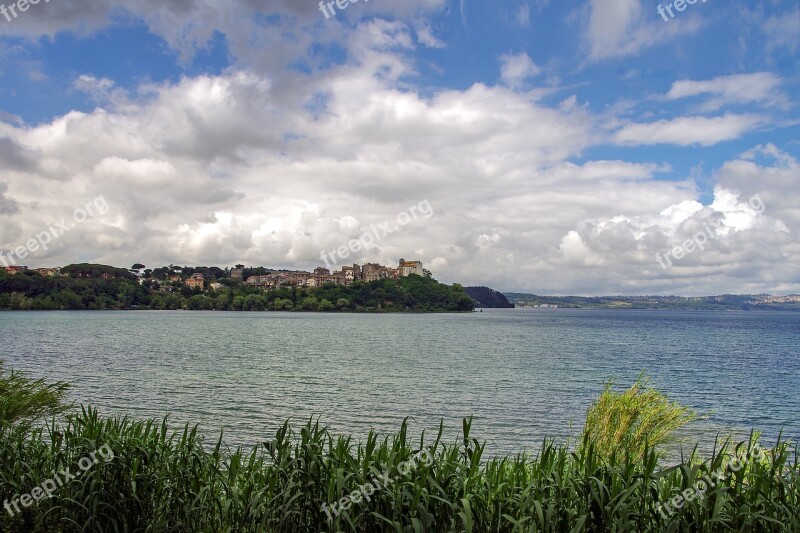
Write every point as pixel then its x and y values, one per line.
pixel 309 304
pixel 283 304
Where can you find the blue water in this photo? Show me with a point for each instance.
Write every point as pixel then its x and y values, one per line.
pixel 523 374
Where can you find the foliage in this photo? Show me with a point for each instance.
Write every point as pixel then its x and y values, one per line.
pixel 489 298
pixel 632 422
pixel 84 287
pixel 160 480
pixel 24 400
pixel 86 270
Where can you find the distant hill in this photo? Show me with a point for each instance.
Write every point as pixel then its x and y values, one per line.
pixel 489 298
pixel 745 302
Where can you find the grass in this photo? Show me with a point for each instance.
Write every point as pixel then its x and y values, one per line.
pixel 160 480
pixel 633 421
pixel 24 400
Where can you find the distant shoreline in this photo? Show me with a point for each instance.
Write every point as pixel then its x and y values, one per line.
pixel 727 302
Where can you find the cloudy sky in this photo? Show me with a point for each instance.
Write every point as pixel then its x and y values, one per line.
pixel 560 145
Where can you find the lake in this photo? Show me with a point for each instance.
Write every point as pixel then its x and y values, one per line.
pixel 524 374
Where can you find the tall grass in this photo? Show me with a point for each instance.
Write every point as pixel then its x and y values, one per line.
pixel 24 400
pixel 633 421
pixel 162 480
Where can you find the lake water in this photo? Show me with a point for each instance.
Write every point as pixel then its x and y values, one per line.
pixel 523 374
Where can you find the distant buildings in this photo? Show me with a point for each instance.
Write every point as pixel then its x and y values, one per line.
pixel 48 272
pixel 310 280
pixel 13 270
pixel 347 276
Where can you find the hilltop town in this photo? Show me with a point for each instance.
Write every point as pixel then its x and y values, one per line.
pixel 358 288
pixel 345 277
pixel 271 279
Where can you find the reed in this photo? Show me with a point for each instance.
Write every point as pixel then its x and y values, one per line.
pixel 633 421
pixel 163 480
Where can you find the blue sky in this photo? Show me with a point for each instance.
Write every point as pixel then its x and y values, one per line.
pixel 561 145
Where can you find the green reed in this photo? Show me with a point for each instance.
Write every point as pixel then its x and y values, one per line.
pixel 161 480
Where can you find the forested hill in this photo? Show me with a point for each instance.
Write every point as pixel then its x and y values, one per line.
pixel 489 298
pixel 100 287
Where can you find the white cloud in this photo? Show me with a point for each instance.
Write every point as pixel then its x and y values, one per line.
pixel 522 16
pixel 618 28
pixel 516 68
pixel 759 87
pixel 274 168
pixel 783 31
pixel 687 131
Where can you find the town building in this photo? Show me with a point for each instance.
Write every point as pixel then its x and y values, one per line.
pixel 196 281
pixel 411 267
pixel 48 272
pixel 13 270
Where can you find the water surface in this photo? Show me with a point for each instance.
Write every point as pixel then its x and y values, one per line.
pixel 523 374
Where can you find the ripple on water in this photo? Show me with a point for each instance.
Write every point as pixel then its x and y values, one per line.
pixel 523 375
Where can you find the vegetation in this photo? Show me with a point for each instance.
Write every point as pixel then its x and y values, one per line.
pixel 632 422
pixel 489 298
pixel 99 287
pixel 24 400
pixel 163 481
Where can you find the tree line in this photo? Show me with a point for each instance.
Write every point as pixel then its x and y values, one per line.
pixel 99 287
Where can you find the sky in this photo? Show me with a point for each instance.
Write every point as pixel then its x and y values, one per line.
pixel 592 147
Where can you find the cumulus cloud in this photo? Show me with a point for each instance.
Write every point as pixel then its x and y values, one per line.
pixel 272 166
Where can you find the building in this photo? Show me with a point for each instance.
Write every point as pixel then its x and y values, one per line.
pixel 237 274
pixel 374 272
pixel 407 268
pixel 13 270
pixel 48 272
pixel 196 281
pixel 350 274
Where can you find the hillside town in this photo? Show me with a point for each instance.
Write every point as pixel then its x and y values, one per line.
pixel 346 276
pixel 271 280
